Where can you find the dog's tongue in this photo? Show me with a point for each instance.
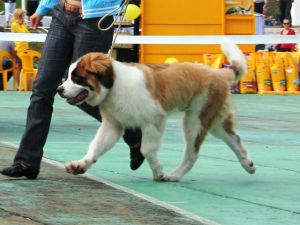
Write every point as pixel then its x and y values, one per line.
pixel 81 96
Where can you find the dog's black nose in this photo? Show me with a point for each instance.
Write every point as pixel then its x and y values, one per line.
pixel 60 90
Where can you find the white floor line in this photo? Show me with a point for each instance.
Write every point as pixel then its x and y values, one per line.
pixel 129 191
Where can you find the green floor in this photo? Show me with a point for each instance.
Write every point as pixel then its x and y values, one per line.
pixel 217 189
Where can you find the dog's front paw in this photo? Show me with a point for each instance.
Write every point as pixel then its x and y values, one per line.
pixel 158 175
pixel 171 178
pixel 76 167
pixel 249 166
pixel 158 178
pixel 252 168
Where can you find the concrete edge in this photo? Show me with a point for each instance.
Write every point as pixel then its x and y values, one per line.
pixel 184 213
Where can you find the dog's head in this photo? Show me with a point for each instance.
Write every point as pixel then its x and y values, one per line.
pixel 89 80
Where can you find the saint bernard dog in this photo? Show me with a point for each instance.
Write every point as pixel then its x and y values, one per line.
pixel 143 95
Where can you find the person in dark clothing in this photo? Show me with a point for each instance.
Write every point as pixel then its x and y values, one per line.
pixel 285 7
pixel 259 6
pixel 31 7
pixel 73 33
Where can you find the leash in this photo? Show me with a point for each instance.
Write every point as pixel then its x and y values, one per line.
pixel 121 7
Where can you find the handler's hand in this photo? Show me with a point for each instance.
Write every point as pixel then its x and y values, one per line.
pixel 35 19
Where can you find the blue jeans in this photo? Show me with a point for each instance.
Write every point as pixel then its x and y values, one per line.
pixel 69 38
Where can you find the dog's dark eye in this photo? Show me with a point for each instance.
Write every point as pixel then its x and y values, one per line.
pixel 76 78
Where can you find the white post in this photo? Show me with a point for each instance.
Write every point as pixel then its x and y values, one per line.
pixel 23 5
pixel 295 13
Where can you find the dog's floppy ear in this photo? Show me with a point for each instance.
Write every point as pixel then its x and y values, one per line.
pixel 100 65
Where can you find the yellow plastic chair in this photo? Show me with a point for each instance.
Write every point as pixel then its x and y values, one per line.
pixel 27 57
pixel 4 72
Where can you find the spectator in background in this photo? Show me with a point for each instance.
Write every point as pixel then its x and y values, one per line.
pixel 9 47
pixel 259 5
pixel 18 26
pixel 286 31
pixel 10 6
pixel 31 7
pixel 285 7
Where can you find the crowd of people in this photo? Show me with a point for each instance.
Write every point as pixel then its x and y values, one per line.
pixel 17 26
pixel 10 6
pixel 285 7
pixel 15 19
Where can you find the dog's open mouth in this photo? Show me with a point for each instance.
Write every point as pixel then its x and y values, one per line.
pixel 80 97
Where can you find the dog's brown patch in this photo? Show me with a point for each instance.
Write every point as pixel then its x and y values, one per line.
pixel 228 124
pixel 97 69
pixel 199 140
pixel 175 85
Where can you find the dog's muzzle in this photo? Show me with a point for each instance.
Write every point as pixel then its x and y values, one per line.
pixel 73 100
pixel 60 91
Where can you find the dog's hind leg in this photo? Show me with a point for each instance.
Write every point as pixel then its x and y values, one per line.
pixel 151 140
pixel 107 135
pixel 225 132
pixel 194 135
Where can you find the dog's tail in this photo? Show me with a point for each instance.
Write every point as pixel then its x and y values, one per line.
pixel 236 58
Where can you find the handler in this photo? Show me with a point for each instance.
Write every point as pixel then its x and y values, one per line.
pixel 73 33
